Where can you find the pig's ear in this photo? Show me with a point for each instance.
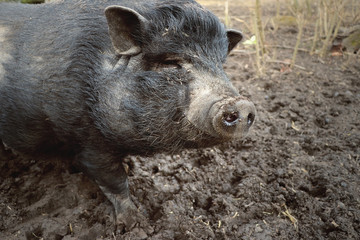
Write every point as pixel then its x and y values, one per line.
pixel 234 38
pixel 125 28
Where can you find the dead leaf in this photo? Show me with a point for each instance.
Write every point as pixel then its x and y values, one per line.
pixel 296 128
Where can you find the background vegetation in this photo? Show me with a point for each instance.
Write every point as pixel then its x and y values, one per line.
pixel 324 27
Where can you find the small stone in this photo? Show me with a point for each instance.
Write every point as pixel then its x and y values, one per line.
pixel 140 233
pixel 341 205
pixel 348 93
pixel 273 130
pixel 258 229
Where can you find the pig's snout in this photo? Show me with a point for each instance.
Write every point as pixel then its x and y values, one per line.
pixel 232 118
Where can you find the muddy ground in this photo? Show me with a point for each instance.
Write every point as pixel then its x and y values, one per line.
pixel 295 176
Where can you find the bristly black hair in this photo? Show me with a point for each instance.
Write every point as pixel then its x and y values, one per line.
pixel 184 27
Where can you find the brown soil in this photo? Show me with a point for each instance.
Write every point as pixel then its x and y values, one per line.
pixel 296 176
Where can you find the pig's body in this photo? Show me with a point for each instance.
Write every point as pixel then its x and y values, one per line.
pixel 51 60
pixel 146 78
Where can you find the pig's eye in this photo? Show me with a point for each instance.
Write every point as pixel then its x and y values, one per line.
pixel 171 63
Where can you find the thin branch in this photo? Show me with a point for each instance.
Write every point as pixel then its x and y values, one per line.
pixel 286 63
pixel 287 47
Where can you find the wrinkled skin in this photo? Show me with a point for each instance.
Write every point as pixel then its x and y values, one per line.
pixel 105 79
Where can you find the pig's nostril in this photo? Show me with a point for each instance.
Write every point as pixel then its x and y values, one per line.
pixel 250 119
pixel 231 118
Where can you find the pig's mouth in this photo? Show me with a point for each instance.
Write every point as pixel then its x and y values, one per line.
pixel 199 138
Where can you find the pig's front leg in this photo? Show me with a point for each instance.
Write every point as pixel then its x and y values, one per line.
pixel 126 213
pixel 109 173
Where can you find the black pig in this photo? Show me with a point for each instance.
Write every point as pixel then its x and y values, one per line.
pixel 106 79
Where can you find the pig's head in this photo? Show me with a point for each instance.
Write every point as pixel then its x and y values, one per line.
pixel 178 95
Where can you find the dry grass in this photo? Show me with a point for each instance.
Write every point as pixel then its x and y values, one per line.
pixel 324 18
